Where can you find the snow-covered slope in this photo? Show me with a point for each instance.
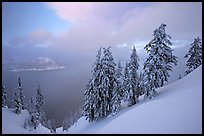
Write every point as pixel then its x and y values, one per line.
pixel 13 123
pixel 177 108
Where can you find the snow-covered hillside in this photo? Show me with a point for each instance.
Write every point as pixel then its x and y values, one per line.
pixel 177 108
pixel 13 123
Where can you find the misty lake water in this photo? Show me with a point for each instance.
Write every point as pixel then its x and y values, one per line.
pixel 63 89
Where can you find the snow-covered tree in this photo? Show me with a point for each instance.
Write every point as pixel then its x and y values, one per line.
pixel 50 125
pixel 89 107
pixel 118 91
pixel 126 78
pixel 22 97
pixel 98 94
pixel 132 94
pixel 17 102
pixel 53 126
pixel 4 97
pixel 107 83
pixel 39 102
pixel 194 56
pixel 65 124
pixel 140 86
pixel 160 60
pixel 31 106
pixel 34 115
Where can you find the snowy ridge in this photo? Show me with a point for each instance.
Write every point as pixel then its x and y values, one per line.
pixel 177 108
pixel 13 123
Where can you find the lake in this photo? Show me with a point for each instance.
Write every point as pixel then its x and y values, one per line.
pixel 63 89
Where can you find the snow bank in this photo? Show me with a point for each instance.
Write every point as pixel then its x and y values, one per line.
pixel 13 123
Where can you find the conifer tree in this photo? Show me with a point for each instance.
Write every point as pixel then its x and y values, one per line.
pixel 118 91
pixel 159 63
pixel 17 102
pixel 22 97
pixel 194 56
pixel 133 78
pixel 4 97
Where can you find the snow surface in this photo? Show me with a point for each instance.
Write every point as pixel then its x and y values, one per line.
pixel 13 123
pixel 177 109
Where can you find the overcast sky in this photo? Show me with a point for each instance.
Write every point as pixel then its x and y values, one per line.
pixel 87 26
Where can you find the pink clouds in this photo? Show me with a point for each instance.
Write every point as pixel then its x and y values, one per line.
pixel 119 23
pixel 111 24
pixel 73 11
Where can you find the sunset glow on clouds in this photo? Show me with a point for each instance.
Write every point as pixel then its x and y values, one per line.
pixel 92 25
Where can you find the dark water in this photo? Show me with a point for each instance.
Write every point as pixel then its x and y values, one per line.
pixel 62 89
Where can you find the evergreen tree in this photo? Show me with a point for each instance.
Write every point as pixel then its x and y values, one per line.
pixel 34 115
pixel 65 124
pixel 133 78
pixel 140 86
pixel 53 126
pixel 17 102
pixel 89 107
pixel 4 97
pixel 22 97
pixel 107 84
pixel 50 125
pixel 98 94
pixel 158 64
pixel 194 56
pixel 31 106
pixel 117 92
pixel 39 102
pixel 126 78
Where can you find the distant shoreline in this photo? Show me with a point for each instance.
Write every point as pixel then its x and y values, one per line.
pixel 36 69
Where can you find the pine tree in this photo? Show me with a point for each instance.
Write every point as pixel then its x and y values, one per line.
pixel 141 87
pixel 34 115
pixel 39 102
pixel 98 94
pixel 22 97
pixel 133 78
pixel 4 97
pixel 49 125
pixel 17 102
pixel 53 126
pixel 126 78
pixel 31 106
pixel 89 107
pixel 65 124
pixel 158 64
pixel 194 56
pixel 107 84
pixel 117 92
